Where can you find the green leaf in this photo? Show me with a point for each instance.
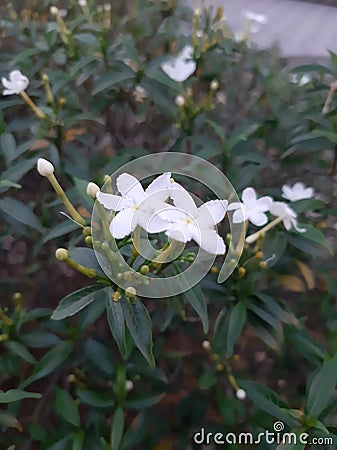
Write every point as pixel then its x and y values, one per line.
pixel 144 401
pixel 75 302
pixel 66 407
pixel 332 137
pixel 117 428
pixel 197 300
pixel 116 322
pixel 93 398
pixel 14 395
pixel 7 183
pixel 49 362
pixel 78 441
pixel 20 212
pixel 241 134
pixel 266 399
pixel 101 356
pixel 16 172
pixel 220 332
pixel 20 350
pixel 112 79
pixel 88 39
pixel 322 388
pixel 237 320
pixel 316 236
pixel 60 230
pixel 8 146
pixel 140 326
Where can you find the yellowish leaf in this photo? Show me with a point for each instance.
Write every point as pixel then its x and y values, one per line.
pixel 292 282
pixel 307 274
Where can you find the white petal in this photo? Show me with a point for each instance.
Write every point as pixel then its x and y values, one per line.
pixel 240 215
pixel 161 183
pixel 209 240
pixel 172 214
pixel 179 232
pixel 184 201
pixel 235 205
pixel 123 223
pixel 249 197
pixel 258 218
pixel 286 192
pixel 212 212
pixel 8 92
pixel 130 187
pixel 152 223
pixel 7 84
pixel 263 204
pixel 113 202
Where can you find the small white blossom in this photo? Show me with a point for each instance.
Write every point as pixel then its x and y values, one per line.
pixel 44 167
pixel 252 208
pixel 297 192
pixel 92 190
pixel 180 67
pixel 54 11
pixel 188 222
pixel 301 80
pixel 136 206
pixel 139 94
pixel 255 20
pixel 129 385
pixel 180 100
pixel 17 83
pixel 241 394
pixel 287 214
pixel 63 12
pixel 214 85
pixel 82 3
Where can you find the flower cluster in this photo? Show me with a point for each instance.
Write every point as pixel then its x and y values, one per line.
pixel 182 66
pixel 149 209
pixel 255 209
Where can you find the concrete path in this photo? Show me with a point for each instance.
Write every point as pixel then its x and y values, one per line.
pixel 303 30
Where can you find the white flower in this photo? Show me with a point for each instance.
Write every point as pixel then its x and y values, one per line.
pixel 287 214
pixel 297 192
pixel 17 83
pixel 188 222
pixel 139 94
pixel 301 80
pixel 44 167
pixel 180 101
pixel 252 208
pixel 136 206
pixel 255 20
pixel 180 67
pixel 129 385
pixel 92 189
pixel 63 12
pixel 214 85
pixel 241 394
pixel 82 3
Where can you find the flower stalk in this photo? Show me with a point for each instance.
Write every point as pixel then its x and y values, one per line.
pixel 254 237
pixel 62 254
pixel 40 114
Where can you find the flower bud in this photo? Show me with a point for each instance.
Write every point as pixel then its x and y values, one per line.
pixel 130 292
pixel 259 255
pixel 180 100
pixel 129 385
pixel 116 296
pixel 54 10
pixel 263 265
pixel 241 394
pixel 44 167
pixel 128 275
pixel 92 190
pixel 214 269
pixel 206 345
pixel 88 240
pixel 87 231
pixel 214 85
pixel 241 271
pixel 144 269
pixel 62 254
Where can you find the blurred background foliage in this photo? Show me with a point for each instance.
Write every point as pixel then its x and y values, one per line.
pixel 273 329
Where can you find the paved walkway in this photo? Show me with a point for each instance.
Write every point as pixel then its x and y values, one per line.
pixel 303 30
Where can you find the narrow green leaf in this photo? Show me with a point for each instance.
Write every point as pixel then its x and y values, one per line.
pixel 8 146
pixel 66 407
pixel 144 402
pixel 237 320
pixel 8 184
pixel 20 350
pixel 322 388
pixel 88 39
pixel 117 428
pixel 75 302
pixel 78 441
pixel 116 322
pixel 20 212
pixel 49 362
pixel 197 300
pixel 111 80
pixel 140 326
pixel 60 230
pixel 14 395
pixel 241 134
pixel 93 398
